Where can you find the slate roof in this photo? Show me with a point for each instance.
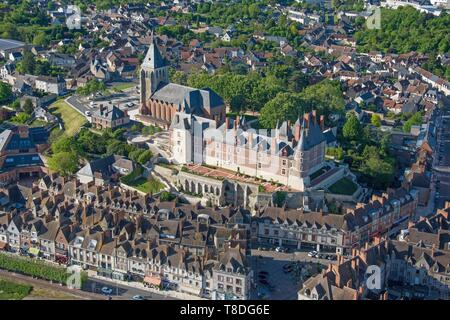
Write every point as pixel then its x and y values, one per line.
pixel 8 44
pixel 110 113
pixel 193 100
pixel 153 59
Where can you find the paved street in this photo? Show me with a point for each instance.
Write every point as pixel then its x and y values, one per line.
pixel 120 291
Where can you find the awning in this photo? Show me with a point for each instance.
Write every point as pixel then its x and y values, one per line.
pixel 34 251
pixel 3 245
pixel 152 280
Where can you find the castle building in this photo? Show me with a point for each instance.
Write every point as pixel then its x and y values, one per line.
pixel 161 99
pixel 288 155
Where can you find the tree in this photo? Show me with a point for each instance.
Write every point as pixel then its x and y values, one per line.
pixel 179 77
pixel 63 144
pixel 416 119
pixel 5 92
pixel 379 172
pixel 28 106
pixel 40 39
pixel 375 120
pixel 325 97
pixel 285 106
pixel 65 163
pixel 21 118
pixel 91 86
pixel 144 157
pixel 166 196
pixel 28 63
pixel 352 128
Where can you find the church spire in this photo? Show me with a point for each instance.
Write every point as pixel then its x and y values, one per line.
pixel 153 58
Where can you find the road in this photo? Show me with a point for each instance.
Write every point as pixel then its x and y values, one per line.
pixel 121 292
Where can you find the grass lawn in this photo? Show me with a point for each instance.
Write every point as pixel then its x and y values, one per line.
pixel 71 118
pixel 147 186
pixel 344 186
pixel 123 86
pixel 39 293
pixel 38 123
pixel 13 291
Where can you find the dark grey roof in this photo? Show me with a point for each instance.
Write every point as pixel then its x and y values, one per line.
pixel 193 100
pixel 102 166
pixel 109 112
pixel 8 44
pixel 310 137
pixel 153 58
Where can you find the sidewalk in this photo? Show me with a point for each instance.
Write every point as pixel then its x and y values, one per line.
pixel 140 286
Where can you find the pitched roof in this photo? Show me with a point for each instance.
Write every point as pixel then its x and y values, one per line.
pixel 153 59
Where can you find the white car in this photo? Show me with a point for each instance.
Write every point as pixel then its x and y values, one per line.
pixel 106 290
pixel 88 113
pixel 313 254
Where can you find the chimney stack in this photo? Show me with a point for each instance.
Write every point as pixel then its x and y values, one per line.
pixel 227 123
pixel 297 131
pixel 322 122
pixel 314 115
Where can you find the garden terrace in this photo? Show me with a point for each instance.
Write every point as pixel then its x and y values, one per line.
pixel 221 174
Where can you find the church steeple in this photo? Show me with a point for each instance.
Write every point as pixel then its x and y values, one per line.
pixel 154 72
pixel 153 58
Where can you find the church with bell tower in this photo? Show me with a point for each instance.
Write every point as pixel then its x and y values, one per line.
pixel 160 99
pixel 154 71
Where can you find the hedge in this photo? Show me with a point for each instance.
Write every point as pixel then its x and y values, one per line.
pixel 35 268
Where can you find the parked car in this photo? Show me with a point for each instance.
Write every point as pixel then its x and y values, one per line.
pixel 280 249
pixel 106 290
pixel 138 297
pixel 313 254
pixel 88 113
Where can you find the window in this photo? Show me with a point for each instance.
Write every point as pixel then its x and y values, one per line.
pixel 283 171
pixel 238 282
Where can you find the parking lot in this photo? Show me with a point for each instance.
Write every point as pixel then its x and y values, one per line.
pixel 127 99
pixel 278 275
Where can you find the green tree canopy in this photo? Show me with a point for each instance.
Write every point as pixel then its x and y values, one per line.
pixel 5 92
pixel 375 120
pixel 352 128
pixel 285 106
pixel 65 163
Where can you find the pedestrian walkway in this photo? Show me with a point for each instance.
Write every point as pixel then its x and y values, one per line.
pixel 137 285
